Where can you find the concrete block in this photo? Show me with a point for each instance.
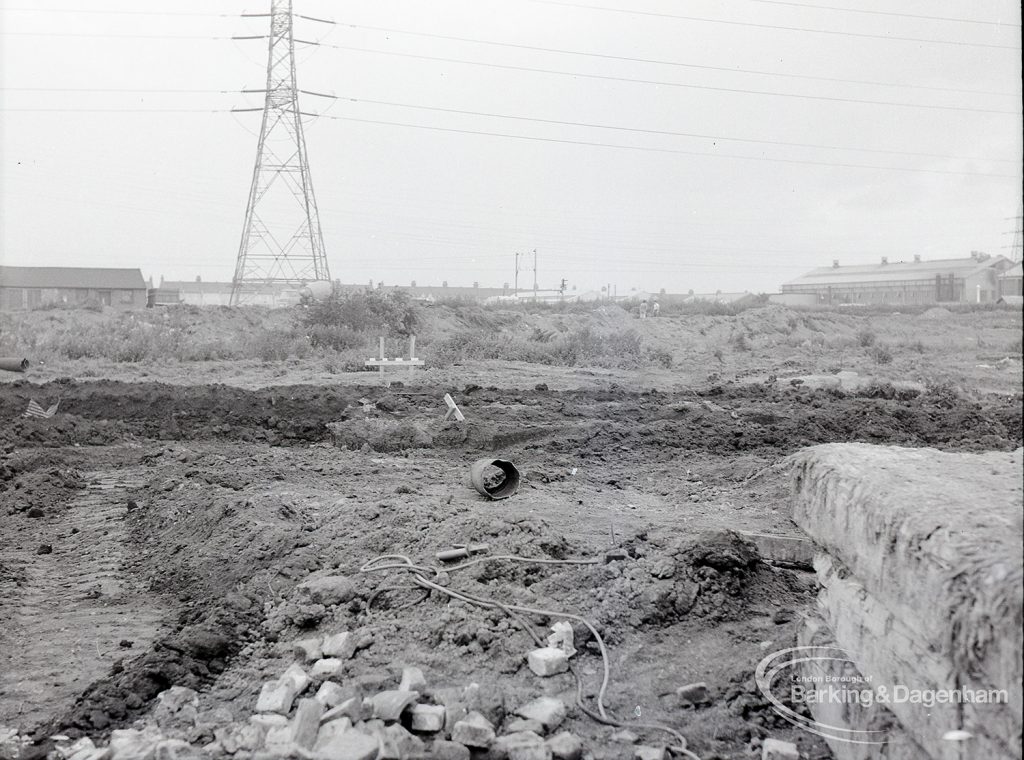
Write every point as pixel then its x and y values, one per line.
pixel 474 731
pixel 127 743
pixel 350 745
pixel 353 708
pixel 329 667
pixel 427 718
pixel 340 645
pixel 306 722
pixel 330 694
pixel 307 650
pixel 279 739
pixel 547 661
pixel 774 749
pixel 445 750
pixel 276 697
pixel 522 724
pixel 562 637
pixel 646 752
pixel 565 746
pixel 550 712
pixel 783 550
pixel 329 732
pixel 399 744
pixel 297 676
pixel 624 736
pixel 412 680
pixel 389 705
pixel 268 720
pixel 524 745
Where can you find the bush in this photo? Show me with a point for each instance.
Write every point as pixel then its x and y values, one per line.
pixel 391 313
pixel 881 354
pixel 866 338
pixel 334 337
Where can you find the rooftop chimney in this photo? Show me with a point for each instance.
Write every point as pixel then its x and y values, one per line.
pixel 835 263
pixel 885 260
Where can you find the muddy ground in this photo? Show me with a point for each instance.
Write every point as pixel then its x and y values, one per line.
pixel 153 535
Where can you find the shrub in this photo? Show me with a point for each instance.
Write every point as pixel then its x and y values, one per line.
pixel 881 353
pixel 866 338
pixel 391 312
pixel 338 338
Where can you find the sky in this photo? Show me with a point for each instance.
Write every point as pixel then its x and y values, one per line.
pixel 680 144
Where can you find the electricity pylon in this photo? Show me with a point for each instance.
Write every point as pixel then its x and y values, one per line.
pixel 281 241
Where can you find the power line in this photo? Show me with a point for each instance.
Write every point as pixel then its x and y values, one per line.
pixel 660 62
pixel 777 27
pixel 886 13
pixel 673 134
pixel 605 77
pixel 660 150
pixel 119 13
pixel 117 89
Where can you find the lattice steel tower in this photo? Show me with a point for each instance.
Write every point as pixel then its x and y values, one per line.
pixel 281 241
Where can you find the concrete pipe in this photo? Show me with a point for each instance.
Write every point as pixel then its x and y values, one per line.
pixel 494 478
pixel 14 365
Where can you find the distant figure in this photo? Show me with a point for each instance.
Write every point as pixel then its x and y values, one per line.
pixel 643 309
pixel 655 308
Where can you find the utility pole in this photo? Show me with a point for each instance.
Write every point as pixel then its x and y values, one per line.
pixel 534 275
pixel 281 239
pixel 517 255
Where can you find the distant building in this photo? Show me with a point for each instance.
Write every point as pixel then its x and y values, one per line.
pixel 199 293
pixel 968 280
pixel 32 287
pixel 1010 281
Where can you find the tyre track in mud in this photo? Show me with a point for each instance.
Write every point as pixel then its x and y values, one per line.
pixel 66 612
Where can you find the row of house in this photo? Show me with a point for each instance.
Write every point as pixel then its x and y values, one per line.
pixel 979 278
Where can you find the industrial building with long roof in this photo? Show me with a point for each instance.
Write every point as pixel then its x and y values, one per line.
pixel 973 279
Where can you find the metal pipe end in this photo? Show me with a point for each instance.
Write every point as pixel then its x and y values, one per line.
pixel 487 485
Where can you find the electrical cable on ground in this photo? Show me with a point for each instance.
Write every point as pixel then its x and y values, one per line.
pixel 401 562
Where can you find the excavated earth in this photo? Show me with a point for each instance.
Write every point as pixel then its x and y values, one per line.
pixel 154 535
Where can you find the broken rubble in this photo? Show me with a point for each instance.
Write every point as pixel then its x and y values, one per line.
pixel 775 749
pixel 353 708
pixel 330 694
pixel 329 667
pixel 412 680
pixel 350 745
pixel 548 710
pixel 524 745
pixel 276 697
pixel 297 676
pixel 128 743
pixel 644 752
pixel 388 705
pixel 340 645
pixel 445 750
pixel 307 650
pixel 625 736
pixel 523 724
pixel 547 661
pixel 474 731
pixel 329 732
pixel 565 746
pixel 399 744
pixel 561 637
pixel 328 589
pixel 306 722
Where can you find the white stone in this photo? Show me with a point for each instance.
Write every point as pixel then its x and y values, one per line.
pixel 524 745
pixel 352 708
pixel 268 720
pixel 306 722
pixel 351 745
pixel 774 749
pixel 427 718
pixel 329 732
pixel 547 661
pixel 340 645
pixel 644 752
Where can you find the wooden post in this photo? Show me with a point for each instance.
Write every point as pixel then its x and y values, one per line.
pixel 412 355
pixel 381 357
